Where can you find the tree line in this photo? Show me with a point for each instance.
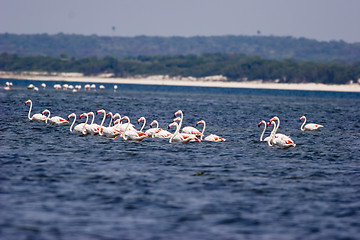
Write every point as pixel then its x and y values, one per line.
pixel 269 47
pixel 236 67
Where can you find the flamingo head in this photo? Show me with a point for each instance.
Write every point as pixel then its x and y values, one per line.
pixel 262 122
pixel 303 117
pixel 71 115
pixel 45 111
pixel 84 114
pixel 274 119
pixel 124 118
pixel 200 122
pixel 90 113
pixel 116 115
pixel 28 101
pixel 172 124
pixel 177 119
pixel 178 112
pixel 116 121
pixel 141 119
pixel 108 114
pixel 100 111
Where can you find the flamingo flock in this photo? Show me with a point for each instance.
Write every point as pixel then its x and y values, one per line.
pixel 121 127
pixel 281 140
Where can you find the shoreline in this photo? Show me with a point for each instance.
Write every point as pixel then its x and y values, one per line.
pixel 192 83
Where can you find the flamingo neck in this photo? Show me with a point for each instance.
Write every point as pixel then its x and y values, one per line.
pixel 175 133
pixel 127 126
pixel 277 125
pixel 302 126
pixel 272 135
pixel 84 127
pixel 103 120
pixel 93 118
pixel 30 118
pixel 111 117
pixel 203 130
pixel 73 123
pixel 181 120
pixel 263 132
pixel 157 124
pixel 48 116
pixel 143 125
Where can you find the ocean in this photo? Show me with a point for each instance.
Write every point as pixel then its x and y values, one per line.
pixel 60 185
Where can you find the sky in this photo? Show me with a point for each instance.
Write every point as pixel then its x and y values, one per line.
pixel 323 20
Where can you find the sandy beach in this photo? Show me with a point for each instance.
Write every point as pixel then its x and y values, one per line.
pixel 156 80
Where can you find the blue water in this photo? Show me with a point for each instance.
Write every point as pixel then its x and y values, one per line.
pixel 58 185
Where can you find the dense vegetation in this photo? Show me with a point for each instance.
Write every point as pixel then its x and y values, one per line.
pixel 236 67
pixel 269 47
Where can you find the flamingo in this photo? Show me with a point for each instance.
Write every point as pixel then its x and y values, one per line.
pixel 179 137
pixel 188 129
pixel 110 132
pixel 211 137
pixel 150 132
pixel 80 127
pixel 279 140
pixel 309 126
pixel 37 116
pixel 159 132
pixel 54 120
pixel 262 134
pixel 92 128
pixel 131 135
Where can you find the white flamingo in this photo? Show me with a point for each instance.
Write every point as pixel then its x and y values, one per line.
pixel 37 116
pixel 211 137
pixel 282 140
pixel 132 135
pixel 188 129
pixel 80 127
pixel 309 126
pixel 54 120
pixel 159 132
pixel 92 128
pixel 179 137
pixel 110 132
pixel 150 132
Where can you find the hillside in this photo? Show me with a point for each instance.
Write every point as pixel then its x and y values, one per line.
pixel 234 67
pixel 268 47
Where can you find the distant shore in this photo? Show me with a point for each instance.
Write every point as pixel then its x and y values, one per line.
pixel 159 80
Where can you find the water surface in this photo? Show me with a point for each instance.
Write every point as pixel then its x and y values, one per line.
pixel 58 185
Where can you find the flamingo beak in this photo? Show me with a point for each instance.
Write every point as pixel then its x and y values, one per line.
pixel 268 123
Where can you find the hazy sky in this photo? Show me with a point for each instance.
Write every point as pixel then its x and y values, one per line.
pixel 323 20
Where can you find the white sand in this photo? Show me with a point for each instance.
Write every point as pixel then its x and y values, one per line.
pixel 199 83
